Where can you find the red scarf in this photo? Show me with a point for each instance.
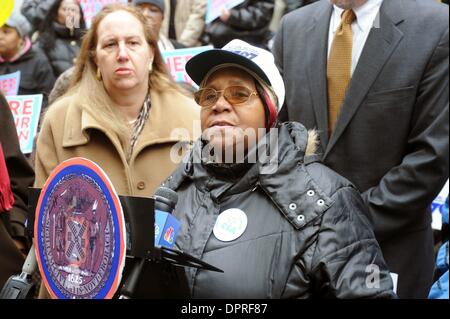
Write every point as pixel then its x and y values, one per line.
pixel 6 196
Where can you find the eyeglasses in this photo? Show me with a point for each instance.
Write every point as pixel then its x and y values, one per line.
pixel 233 94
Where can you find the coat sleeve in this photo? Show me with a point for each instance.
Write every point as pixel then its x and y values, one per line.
pixel 194 25
pixel 44 77
pixel 292 5
pixel 46 156
pixel 416 181
pixel 256 15
pixel 20 172
pixel 347 262
pixel 36 11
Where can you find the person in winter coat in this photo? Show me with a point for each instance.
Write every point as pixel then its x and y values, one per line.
pixel 18 54
pixel 249 22
pixel 60 34
pixel 120 110
pixel 154 11
pixel 292 5
pixel 14 183
pixel 184 21
pixel 35 11
pixel 279 224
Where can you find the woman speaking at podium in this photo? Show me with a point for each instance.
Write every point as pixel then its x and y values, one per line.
pixel 254 200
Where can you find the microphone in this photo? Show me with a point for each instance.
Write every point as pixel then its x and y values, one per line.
pixel 166 225
pixel 166 228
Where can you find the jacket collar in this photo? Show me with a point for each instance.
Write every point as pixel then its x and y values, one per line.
pixel 293 144
pixel 289 187
pixel 64 32
pixel 157 130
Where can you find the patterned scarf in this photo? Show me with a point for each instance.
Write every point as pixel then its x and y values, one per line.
pixel 138 125
pixel 6 196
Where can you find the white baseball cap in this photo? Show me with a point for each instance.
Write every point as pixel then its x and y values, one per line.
pixel 256 60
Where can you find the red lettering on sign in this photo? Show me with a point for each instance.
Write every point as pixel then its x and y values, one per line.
pixel 24 135
pixel 25 123
pixel 27 107
pixel 14 106
pixel 178 64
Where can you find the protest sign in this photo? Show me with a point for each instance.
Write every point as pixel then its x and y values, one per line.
pixel 26 110
pixel 176 62
pixel 9 83
pixel 436 207
pixel 214 8
pixel 92 7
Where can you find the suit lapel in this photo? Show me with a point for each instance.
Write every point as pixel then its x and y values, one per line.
pixel 381 43
pixel 317 56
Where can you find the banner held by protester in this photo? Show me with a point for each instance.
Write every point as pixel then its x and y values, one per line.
pixel 176 62
pixel 92 7
pixel 9 83
pixel 26 110
pixel 214 8
pixel 436 206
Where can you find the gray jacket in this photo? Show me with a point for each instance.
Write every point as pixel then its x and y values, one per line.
pixel 36 11
pixel 307 234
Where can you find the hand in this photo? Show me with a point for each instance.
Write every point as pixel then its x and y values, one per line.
pixel 225 15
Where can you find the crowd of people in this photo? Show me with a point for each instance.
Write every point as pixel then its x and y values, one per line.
pixel 355 92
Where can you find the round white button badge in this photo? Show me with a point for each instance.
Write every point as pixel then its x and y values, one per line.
pixel 230 225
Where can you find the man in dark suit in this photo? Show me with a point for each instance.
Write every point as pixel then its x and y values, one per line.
pixel 372 77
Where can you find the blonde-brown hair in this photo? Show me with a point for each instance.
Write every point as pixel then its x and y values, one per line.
pixel 90 92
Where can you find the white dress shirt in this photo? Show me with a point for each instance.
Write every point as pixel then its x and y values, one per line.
pixel 365 19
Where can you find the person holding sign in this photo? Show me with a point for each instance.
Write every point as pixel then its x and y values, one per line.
pixel 60 34
pixel 18 54
pixel 248 21
pixel 278 223
pixel 122 108
pixel 36 11
pixel 15 181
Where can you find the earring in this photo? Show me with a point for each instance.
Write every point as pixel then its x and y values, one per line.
pixel 98 74
pixel 150 67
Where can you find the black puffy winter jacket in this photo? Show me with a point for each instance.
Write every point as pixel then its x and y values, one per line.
pixel 307 234
pixel 248 22
pixel 36 76
pixel 62 47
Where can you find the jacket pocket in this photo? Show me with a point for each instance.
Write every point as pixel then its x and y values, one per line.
pixel 391 97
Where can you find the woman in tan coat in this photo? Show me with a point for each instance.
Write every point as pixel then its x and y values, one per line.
pixel 122 109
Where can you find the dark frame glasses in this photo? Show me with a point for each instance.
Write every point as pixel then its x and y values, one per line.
pixel 235 95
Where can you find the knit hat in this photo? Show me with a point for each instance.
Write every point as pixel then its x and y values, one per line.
pixel 20 23
pixel 257 62
pixel 159 3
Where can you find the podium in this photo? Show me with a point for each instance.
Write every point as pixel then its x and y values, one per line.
pixel 163 274
pixel 161 270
